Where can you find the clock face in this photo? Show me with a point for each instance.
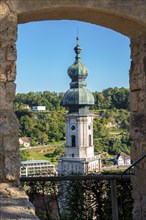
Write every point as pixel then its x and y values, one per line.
pixel 73 127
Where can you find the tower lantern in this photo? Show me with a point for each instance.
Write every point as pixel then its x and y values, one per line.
pixel 79 150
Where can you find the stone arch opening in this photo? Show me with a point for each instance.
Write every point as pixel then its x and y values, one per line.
pixel 89 142
pixel 126 17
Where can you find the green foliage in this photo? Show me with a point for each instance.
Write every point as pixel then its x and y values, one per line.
pixel 51 100
pixel 79 199
pixel 112 98
pixel 89 199
pixel 113 145
pixel 111 126
pixel 24 155
pixel 111 131
pixel 107 99
pixel 43 196
pixel 56 153
pixel 42 127
pixel 47 152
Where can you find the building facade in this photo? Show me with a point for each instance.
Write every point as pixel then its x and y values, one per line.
pixel 39 108
pixel 122 159
pixel 37 168
pixel 25 141
pixel 79 150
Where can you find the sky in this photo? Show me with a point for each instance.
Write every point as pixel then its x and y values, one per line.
pixel 45 50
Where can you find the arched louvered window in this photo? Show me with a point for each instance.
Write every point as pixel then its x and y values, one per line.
pixel 73 140
pixel 90 140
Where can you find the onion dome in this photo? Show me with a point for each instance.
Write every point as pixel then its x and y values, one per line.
pixel 78 94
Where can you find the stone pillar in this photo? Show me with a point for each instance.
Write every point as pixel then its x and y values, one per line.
pixel 14 203
pixel 9 151
pixel 138 122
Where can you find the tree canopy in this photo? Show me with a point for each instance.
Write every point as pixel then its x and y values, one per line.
pixel 111 124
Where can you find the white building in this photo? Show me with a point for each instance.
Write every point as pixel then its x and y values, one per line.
pixel 39 108
pixel 122 159
pixel 37 168
pixel 26 106
pixel 79 150
pixel 25 141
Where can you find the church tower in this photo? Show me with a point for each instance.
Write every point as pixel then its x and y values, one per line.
pixel 79 150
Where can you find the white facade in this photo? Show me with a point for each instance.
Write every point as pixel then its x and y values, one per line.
pixel 27 107
pixel 37 168
pixel 39 108
pixel 25 141
pixel 122 159
pixel 79 151
pixel 80 131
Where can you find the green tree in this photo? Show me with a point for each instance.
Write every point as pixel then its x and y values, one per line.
pixel 43 138
pixel 24 155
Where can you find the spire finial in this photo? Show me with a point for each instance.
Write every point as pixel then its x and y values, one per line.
pixel 77 49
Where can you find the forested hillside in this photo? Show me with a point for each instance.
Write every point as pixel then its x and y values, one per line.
pixel 111 123
pixel 107 99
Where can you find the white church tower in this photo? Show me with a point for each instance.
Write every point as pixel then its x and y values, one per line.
pixel 79 150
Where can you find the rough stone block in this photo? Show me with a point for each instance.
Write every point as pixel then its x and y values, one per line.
pixel 11 52
pixel 136 80
pixel 2 166
pixel 11 71
pixel 10 91
pixel 7 92
pixel 12 166
pixel 14 203
pixel 138 149
pixel 17 209
pixel 134 101
pixel 8 123
pixel 137 101
pixel 138 126
pixel 4 10
pixel 8 27
pixel 11 143
pixel 2 56
pixel 3 77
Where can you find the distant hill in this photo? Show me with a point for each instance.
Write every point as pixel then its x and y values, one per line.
pixel 111 125
pixel 107 99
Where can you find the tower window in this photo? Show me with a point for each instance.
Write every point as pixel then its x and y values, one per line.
pixel 90 140
pixel 73 140
pixel 73 127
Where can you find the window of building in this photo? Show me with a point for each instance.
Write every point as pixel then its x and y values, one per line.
pixel 73 140
pixel 90 140
pixel 73 127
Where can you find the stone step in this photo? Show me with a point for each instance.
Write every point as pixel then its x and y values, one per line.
pixel 16 209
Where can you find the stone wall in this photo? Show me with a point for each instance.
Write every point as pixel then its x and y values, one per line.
pixel 138 122
pixel 126 17
pixel 14 203
pixel 9 151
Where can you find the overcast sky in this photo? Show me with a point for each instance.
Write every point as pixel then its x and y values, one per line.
pixel 45 51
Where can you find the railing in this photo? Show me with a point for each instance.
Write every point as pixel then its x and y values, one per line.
pixel 130 169
pixel 87 197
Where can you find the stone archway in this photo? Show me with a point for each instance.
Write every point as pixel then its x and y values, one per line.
pixel 125 17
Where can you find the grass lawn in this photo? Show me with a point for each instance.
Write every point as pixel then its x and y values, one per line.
pixel 44 153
